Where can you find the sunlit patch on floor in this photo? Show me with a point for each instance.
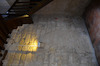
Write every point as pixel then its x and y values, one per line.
pixel 31 46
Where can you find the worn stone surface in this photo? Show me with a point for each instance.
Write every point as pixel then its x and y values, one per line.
pixel 65 42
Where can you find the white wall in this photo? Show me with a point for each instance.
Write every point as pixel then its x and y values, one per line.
pixel 10 2
pixel 4 6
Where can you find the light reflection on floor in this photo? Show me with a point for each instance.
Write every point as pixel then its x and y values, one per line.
pixel 22 47
pixel 32 45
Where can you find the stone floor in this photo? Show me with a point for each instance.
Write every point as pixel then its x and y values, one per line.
pixel 63 41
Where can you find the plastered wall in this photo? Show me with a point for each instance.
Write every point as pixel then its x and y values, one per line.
pixel 66 7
